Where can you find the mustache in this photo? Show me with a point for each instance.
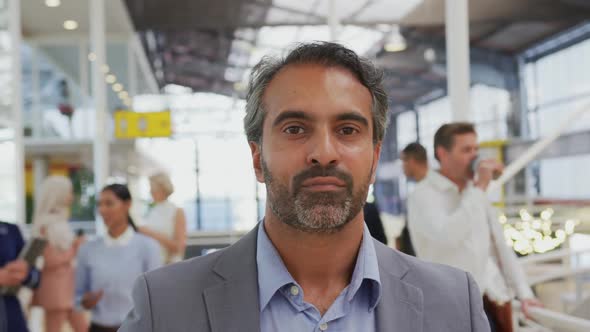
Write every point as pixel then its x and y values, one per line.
pixel 319 171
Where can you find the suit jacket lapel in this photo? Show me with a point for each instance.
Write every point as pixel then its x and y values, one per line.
pixel 233 304
pixel 400 308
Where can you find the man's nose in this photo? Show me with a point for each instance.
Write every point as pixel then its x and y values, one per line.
pixel 323 150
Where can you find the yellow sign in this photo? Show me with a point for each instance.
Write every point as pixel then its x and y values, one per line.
pixel 150 124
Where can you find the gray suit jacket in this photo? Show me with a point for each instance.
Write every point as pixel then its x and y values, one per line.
pixel 219 293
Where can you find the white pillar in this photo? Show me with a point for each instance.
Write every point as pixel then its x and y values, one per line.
pixel 99 93
pixel 84 83
pixel 333 21
pixel 458 77
pixel 523 106
pixel 14 28
pixel 37 122
pixel 131 69
pixel 40 170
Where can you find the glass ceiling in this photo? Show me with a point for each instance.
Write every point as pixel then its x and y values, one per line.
pixel 277 36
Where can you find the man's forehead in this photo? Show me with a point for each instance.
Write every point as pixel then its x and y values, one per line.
pixel 303 83
pixel 296 76
pixel 465 139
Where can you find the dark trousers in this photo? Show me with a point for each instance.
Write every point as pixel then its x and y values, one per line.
pixel 99 328
pixel 499 315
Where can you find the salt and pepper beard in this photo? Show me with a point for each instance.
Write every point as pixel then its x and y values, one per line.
pixel 315 212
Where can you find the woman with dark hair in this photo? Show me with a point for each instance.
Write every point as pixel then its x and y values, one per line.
pixel 108 266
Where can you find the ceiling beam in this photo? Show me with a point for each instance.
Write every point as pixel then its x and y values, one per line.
pixel 555 43
pixel 285 9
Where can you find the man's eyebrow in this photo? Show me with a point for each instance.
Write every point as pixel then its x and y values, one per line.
pixel 353 116
pixel 287 115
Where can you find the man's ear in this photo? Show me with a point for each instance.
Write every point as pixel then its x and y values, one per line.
pixel 440 152
pixel 256 151
pixel 376 155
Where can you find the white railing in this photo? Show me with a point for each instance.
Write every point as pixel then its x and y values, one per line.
pixel 555 254
pixel 552 319
pixel 558 273
pixel 550 272
pixel 544 319
pixel 536 149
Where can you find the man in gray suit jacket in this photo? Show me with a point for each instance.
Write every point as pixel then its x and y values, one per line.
pixel 315 121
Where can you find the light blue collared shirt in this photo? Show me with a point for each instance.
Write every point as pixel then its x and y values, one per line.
pixel 282 307
pixel 112 265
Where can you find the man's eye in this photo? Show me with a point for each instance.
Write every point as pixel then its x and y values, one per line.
pixel 348 131
pixel 294 130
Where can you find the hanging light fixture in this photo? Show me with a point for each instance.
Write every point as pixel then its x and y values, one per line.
pixel 70 25
pixel 52 3
pixel 395 42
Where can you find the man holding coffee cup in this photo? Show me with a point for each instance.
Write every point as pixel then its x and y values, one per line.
pixel 452 222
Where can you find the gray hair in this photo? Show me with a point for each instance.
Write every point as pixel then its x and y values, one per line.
pixel 322 53
pixel 162 181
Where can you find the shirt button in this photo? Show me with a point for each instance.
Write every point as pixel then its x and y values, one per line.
pixel 324 326
pixel 294 290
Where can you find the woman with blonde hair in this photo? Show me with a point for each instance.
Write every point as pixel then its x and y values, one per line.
pixel 165 222
pixel 56 290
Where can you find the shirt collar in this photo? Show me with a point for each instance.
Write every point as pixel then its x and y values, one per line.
pixel 122 240
pixel 441 181
pixel 366 268
pixel 273 275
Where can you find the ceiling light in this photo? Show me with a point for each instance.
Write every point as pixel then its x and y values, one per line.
pixel 105 68
pixel 91 56
pixel 111 78
pixel 395 47
pixel 117 87
pixel 430 55
pixel 395 42
pixel 384 27
pixel 239 86
pixel 70 25
pixel 123 95
pixel 52 3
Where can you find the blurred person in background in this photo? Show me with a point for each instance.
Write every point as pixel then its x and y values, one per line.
pixel 165 222
pixel 13 272
pixel 56 290
pixel 108 266
pixel 373 219
pixel 452 222
pixel 415 166
pixel 414 162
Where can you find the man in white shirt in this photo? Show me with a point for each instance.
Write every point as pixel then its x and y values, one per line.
pixel 452 222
